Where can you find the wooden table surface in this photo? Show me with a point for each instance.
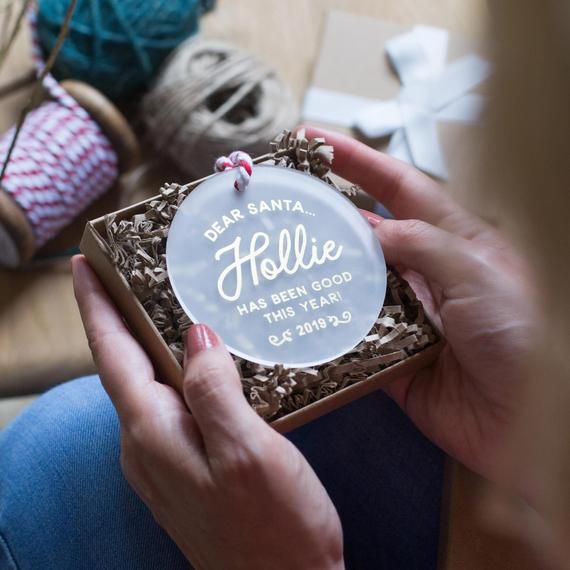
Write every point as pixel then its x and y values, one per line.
pixel 41 337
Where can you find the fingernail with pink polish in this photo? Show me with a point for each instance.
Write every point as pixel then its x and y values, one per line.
pixel 200 337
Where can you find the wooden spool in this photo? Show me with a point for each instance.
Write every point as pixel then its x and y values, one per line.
pixel 17 242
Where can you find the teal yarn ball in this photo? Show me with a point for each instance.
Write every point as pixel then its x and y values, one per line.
pixel 117 46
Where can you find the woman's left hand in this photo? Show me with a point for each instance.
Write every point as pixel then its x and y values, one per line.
pixel 228 489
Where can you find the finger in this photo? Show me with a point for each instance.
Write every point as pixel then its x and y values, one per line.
pixel 213 391
pixel 124 367
pixel 404 190
pixel 371 217
pixel 441 257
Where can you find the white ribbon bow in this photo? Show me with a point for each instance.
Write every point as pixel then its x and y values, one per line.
pixel 431 92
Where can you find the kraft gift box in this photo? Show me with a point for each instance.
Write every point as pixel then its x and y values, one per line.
pixel 352 61
pixel 405 339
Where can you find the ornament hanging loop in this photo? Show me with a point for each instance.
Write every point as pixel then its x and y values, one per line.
pixel 243 164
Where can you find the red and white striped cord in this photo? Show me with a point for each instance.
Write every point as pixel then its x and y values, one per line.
pixel 243 164
pixel 62 160
pixel 50 84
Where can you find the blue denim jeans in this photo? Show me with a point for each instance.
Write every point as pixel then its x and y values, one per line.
pixel 64 504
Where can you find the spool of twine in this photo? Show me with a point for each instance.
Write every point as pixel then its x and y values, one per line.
pixel 66 153
pixel 211 98
pixel 117 45
pixel 66 156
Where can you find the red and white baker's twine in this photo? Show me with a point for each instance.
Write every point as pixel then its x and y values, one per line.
pixel 243 164
pixel 62 160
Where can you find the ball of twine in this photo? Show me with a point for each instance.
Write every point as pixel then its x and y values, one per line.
pixel 117 45
pixel 212 98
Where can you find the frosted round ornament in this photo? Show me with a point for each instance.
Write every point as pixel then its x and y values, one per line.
pixel 286 272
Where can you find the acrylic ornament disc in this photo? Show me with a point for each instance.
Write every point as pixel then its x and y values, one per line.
pixel 286 272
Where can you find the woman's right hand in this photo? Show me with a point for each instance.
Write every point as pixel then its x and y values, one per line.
pixel 476 290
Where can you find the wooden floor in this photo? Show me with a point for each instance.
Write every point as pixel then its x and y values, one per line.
pixel 41 337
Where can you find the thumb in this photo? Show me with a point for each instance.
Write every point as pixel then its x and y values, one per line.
pixel 439 256
pixel 212 389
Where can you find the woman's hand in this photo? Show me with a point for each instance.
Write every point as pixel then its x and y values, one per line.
pixel 229 490
pixel 475 288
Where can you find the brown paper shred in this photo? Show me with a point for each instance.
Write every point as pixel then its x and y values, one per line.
pixel 405 342
pixel 387 322
pixel 137 247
